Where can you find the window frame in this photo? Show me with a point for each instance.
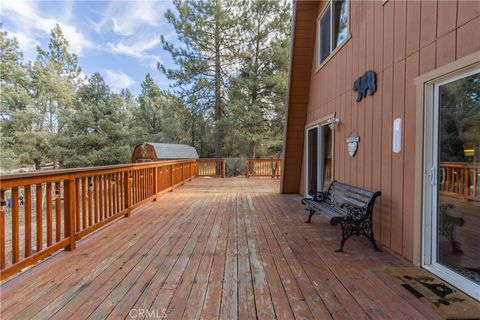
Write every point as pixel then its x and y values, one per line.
pixel 333 51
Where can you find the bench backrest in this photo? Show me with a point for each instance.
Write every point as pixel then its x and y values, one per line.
pixel 341 193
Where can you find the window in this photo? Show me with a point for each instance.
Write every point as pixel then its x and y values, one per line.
pixel 332 28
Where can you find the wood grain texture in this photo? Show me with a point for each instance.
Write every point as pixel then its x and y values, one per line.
pixel 399 40
pixel 70 204
pixel 214 248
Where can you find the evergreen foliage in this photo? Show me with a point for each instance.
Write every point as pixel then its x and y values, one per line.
pixel 227 96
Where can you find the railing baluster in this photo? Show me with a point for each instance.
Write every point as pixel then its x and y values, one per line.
pixel 111 183
pixel 117 193
pixel 58 212
pixel 28 220
pixel 120 191
pixel 48 199
pixel 97 210
pixel 77 206
pixel 38 217
pixel 84 202
pixel 15 226
pixel 105 197
pixel 128 186
pixel 2 230
pixel 69 213
pixel 90 201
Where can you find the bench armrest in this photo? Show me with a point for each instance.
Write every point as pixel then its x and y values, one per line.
pixel 354 213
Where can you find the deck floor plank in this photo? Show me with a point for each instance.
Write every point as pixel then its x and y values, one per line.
pixel 60 289
pixel 112 291
pixel 213 294
pixel 113 279
pixel 214 249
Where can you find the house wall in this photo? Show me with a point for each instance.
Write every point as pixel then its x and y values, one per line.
pixel 298 93
pixel 399 40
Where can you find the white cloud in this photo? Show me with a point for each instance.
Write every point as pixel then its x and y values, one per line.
pixel 27 21
pixel 138 48
pixel 118 80
pixel 125 18
pixel 26 43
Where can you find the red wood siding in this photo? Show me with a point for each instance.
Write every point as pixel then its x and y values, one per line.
pixel 302 53
pixel 399 40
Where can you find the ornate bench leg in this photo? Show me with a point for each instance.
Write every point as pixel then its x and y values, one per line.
pixel 310 216
pixel 345 235
pixel 374 243
pixel 344 239
pixel 368 232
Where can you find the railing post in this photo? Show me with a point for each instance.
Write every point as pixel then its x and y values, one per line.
pixel 272 168
pixel 248 168
pixel 223 168
pixel 171 174
pixel 69 212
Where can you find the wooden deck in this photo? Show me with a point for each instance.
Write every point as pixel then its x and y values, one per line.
pixel 214 248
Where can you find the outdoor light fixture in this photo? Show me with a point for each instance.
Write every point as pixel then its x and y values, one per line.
pixel 333 123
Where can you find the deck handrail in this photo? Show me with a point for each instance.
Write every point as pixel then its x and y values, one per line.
pixel 92 198
pixel 211 167
pixel 263 168
pixel 460 179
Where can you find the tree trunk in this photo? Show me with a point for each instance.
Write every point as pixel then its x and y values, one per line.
pixel 192 132
pixel 37 164
pixel 218 80
pixel 252 150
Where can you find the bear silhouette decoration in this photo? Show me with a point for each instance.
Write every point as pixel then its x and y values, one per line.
pixel 366 82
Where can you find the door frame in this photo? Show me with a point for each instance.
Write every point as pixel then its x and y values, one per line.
pixel 324 121
pixel 426 155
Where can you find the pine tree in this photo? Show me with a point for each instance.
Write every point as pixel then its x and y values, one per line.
pixel 258 91
pixel 14 101
pixel 55 75
pixel 157 116
pixel 208 30
pixel 95 129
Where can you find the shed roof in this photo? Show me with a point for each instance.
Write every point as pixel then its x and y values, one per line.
pixel 174 151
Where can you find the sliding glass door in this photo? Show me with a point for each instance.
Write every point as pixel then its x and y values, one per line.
pixel 452 195
pixel 319 158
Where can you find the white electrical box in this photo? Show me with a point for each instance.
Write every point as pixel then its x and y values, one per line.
pixel 397 135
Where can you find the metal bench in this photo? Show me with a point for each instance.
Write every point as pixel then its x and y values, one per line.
pixel 347 205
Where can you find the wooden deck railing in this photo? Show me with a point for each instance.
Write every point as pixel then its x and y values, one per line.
pixel 263 168
pixel 211 167
pixel 460 179
pixel 46 211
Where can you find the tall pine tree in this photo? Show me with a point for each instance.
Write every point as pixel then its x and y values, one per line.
pixel 257 92
pixel 209 32
pixel 95 129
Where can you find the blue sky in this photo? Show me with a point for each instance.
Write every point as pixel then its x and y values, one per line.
pixel 119 39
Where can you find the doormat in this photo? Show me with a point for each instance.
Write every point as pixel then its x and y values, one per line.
pixel 442 297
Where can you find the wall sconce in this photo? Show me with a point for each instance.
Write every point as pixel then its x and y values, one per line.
pixel 333 123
